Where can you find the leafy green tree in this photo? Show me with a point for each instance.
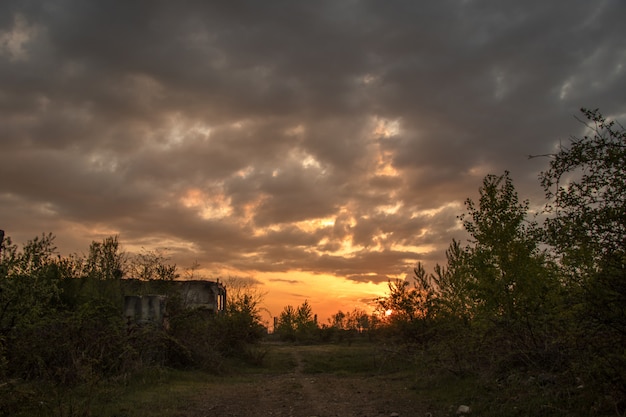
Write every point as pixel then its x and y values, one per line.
pixel 304 315
pixel 105 260
pixel 286 325
pixel 306 322
pixel 407 308
pixel 453 299
pixel 407 302
pixel 338 320
pixel 345 326
pixel 357 320
pixel 29 293
pixel 586 185
pixel 511 280
pixel 28 281
pixel 242 318
pixel 508 274
pixel 336 328
pixel 296 324
pixel 102 271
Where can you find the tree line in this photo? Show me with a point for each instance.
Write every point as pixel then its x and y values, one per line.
pixel 530 296
pixel 62 326
pixel 533 296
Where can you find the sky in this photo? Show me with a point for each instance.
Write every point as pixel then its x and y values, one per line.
pixel 320 148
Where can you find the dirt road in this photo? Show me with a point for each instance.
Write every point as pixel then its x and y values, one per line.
pixel 296 393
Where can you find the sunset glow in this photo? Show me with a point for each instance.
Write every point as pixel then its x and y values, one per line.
pixel 320 155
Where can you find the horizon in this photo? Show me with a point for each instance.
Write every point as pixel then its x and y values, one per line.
pixel 321 149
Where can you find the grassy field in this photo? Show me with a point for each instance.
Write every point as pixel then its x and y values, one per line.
pixel 159 392
pixel 166 392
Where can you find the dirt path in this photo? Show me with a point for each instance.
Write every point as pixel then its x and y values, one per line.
pixel 298 394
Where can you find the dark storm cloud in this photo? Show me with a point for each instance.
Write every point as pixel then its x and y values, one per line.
pixel 333 137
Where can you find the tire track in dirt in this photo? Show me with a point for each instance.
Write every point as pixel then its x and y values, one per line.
pixel 314 397
pixel 327 395
pixel 298 394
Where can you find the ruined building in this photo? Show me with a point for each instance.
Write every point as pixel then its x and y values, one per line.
pixel 146 301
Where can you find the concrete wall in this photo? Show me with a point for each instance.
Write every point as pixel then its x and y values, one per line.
pixel 203 294
pixel 152 308
pixel 145 308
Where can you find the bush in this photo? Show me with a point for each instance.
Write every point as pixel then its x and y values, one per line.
pixel 71 347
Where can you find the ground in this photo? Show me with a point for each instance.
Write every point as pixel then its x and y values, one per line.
pixel 297 393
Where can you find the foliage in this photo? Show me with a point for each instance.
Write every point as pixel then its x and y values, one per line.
pixel 61 324
pixel 28 281
pixel 510 279
pixel 151 265
pixel 347 326
pixel 210 338
pixel 495 303
pixel 28 289
pixel 408 308
pixel 586 185
pixel 297 324
pixel 70 348
pixel 105 260
pixel 285 326
pixel 453 298
pixel 306 322
pixel 241 322
pixel 525 318
pixel 523 302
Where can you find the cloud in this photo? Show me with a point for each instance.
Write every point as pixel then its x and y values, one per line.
pixel 288 281
pixel 325 137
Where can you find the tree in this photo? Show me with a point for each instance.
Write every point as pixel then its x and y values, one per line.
pixel 105 261
pixel 508 273
pixel 338 320
pixel 306 322
pixel 28 281
pixel 103 268
pixel 296 324
pixel 406 302
pixel 586 183
pixel 285 326
pixel 357 321
pixel 511 281
pixel 244 290
pixel 152 265
pixel 586 186
pixel 29 291
pixel 243 310
pixel 407 307
pixel 453 299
